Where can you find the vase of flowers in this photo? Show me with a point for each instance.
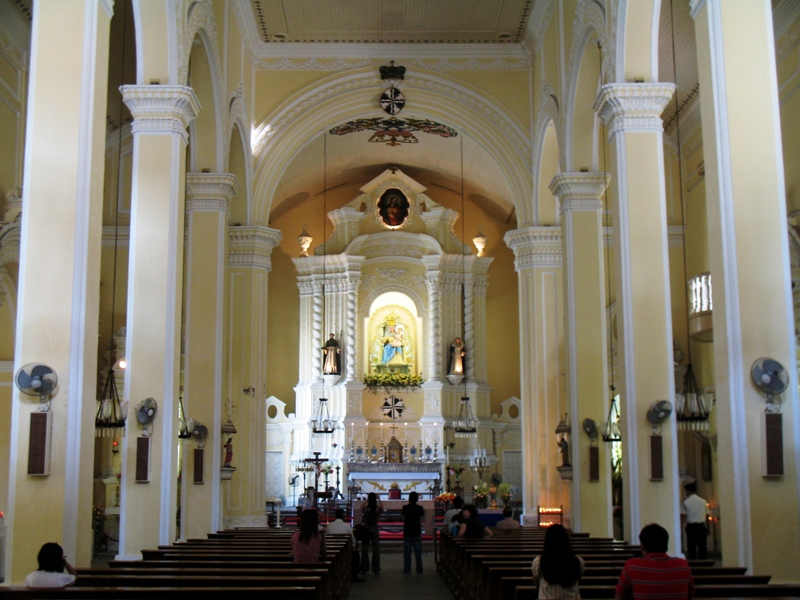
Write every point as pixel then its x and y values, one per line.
pixel 480 493
pixel 457 471
pixel 506 492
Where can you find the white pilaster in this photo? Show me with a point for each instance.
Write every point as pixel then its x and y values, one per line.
pixel 632 112
pixel 538 263
pixel 161 115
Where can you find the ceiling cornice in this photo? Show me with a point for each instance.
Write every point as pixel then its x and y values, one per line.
pixel 335 55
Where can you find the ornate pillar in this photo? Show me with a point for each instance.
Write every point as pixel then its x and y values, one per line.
pixel 161 115
pixel 245 363
pixel 538 264
pixel 748 251
pixel 59 253
pixel 580 196
pixel 208 198
pixel 644 321
pixel 432 282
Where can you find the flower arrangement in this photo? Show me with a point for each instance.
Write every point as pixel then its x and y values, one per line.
pixel 327 469
pixel 446 498
pixel 457 471
pixel 506 491
pixel 390 381
pixel 481 490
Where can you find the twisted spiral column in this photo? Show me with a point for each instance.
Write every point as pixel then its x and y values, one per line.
pixel 436 328
pixel 469 329
pixel 316 333
pixel 350 342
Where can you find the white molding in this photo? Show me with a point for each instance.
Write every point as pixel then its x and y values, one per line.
pixel 210 191
pixel 580 191
pixel 535 246
pixel 15 37
pixel 736 374
pixel 251 246
pixel 107 6
pixel 10 236
pixel 161 109
pixel 633 106
pixel 695 6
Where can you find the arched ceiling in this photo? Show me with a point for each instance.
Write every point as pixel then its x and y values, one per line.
pixel 435 162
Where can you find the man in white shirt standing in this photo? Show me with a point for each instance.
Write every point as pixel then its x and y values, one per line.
pixel 339 527
pixel 696 530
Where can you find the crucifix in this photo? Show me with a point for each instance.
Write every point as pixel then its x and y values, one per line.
pixel 317 461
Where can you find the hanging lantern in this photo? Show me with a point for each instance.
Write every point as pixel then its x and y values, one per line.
pixel 467 424
pixel 611 428
pixel 322 423
pixel 691 406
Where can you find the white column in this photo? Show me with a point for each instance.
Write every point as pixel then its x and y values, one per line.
pixel 59 277
pixel 580 196
pixel 750 269
pixel 433 276
pixel 208 198
pixel 538 264
pixel 249 265
pixel 632 112
pixel 161 115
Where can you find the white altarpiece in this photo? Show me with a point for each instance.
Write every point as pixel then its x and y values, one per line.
pixel 392 274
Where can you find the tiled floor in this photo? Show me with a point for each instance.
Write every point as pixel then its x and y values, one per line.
pixel 392 583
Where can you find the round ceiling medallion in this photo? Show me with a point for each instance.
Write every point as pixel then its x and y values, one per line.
pixel 392 100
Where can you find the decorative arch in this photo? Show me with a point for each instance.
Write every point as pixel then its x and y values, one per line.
pixel 351 95
pixel 366 301
pixel 156 35
pixel 549 112
pixel 200 25
pixel 634 20
pixel 590 21
pixel 237 120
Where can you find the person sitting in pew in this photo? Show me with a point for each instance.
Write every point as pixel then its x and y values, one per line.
pixel 558 570
pixel 52 563
pixel 656 574
pixel 452 518
pixel 308 542
pixel 507 522
pixel 472 527
pixel 339 527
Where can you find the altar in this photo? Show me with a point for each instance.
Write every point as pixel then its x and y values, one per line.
pixel 420 477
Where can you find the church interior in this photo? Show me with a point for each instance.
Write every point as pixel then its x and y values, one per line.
pixel 251 247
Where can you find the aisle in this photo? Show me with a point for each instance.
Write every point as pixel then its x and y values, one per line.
pixel 392 583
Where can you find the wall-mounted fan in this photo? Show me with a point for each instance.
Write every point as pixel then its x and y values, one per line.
pixel 590 428
pixel 659 412
pixel 145 414
pixel 36 380
pixel 769 377
pixel 200 434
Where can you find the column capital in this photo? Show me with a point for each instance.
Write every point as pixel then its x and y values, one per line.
pixel 10 235
pixel 535 246
pixel 210 191
pixel 160 109
pixel 580 191
pixel 633 106
pixel 251 246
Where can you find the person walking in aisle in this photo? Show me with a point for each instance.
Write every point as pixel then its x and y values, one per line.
pixel 412 532
pixel 696 529
pixel 371 510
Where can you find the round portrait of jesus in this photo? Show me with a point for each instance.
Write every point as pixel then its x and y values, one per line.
pixel 393 207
